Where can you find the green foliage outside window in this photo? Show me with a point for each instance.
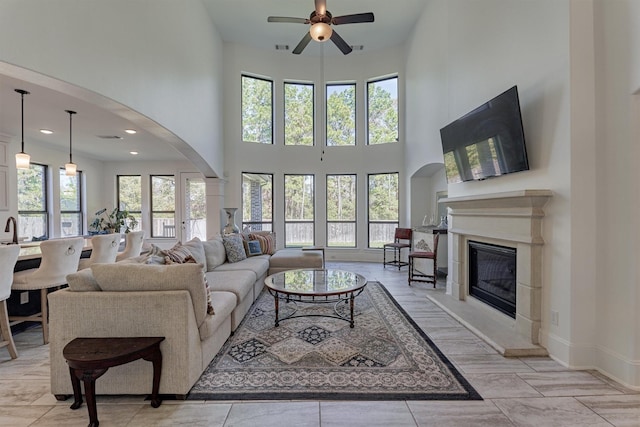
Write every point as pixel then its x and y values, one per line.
pixel 383 197
pixel 341 115
pixel 298 114
pixel 257 110
pixel 383 111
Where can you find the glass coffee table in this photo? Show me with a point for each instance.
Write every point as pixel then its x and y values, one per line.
pixel 315 287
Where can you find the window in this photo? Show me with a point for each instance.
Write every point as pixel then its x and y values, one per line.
pixel 298 114
pixel 130 197
pixel 71 215
pixel 298 210
pixel 33 204
pixel 383 208
pixel 257 110
pixel 341 211
pixel 257 201
pixel 163 206
pixel 341 114
pixel 382 109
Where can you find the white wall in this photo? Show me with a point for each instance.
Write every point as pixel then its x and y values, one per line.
pixel 160 58
pixel 278 159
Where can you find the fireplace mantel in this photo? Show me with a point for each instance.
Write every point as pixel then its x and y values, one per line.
pixel 511 219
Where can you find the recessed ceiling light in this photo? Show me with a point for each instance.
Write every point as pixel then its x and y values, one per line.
pixel 135 153
pixel 46 131
pixel 131 131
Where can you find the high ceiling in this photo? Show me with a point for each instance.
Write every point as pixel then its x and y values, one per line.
pixel 238 21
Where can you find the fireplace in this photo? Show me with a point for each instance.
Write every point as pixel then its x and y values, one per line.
pixel 492 276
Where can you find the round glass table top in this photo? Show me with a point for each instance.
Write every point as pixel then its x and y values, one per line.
pixel 315 282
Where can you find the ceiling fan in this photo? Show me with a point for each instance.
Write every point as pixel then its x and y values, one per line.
pixel 320 30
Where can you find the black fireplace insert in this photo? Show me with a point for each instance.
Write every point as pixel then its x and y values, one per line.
pixel 492 276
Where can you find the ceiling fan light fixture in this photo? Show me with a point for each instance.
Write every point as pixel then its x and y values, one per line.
pixel 320 32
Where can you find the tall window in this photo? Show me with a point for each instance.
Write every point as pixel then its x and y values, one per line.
pixel 298 114
pixel 163 206
pixel 71 215
pixel 383 208
pixel 299 210
pixel 130 196
pixel 257 110
pixel 341 211
pixel 382 110
pixel 32 202
pixel 257 201
pixel 341 114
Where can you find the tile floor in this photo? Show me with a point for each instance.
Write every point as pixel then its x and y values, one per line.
pixel 517 392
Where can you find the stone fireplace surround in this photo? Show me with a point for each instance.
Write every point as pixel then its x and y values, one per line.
pixel 512 219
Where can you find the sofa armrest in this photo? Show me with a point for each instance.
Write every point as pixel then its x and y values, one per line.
pixel 111 314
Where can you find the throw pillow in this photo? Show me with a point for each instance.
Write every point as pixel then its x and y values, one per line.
pixel 267 242
pixel 197 251
pixel 234 247
pixel 177 254
pixel 252 247
pixel 169 259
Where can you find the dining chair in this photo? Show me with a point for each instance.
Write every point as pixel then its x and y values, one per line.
pixel 59 258
pixel 401 240
pixel 8 257
pixel 132 245
pixel 416 275
pixel 104 249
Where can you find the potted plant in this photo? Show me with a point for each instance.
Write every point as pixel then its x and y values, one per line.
pixel 116 221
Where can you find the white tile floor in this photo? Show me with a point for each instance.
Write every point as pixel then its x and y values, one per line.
pixel 518 392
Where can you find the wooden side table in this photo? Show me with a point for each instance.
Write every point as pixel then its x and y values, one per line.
pixel 90 358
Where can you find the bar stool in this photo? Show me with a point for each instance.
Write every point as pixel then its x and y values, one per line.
pixel 8 258
pixel 104 249
pixel 59 258
pixel 416 275
pixel 132 245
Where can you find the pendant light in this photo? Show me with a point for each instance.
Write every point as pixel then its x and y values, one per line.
pixel 22 158
pixel 70 168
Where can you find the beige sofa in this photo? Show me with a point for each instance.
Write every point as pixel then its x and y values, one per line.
pixel 134 299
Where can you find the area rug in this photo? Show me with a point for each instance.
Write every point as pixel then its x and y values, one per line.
pixel 386 356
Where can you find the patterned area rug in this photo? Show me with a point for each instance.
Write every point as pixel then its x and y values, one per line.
pixel 384 357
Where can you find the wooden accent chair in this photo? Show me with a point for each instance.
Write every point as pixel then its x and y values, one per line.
pixel 401 239
pixel 416 275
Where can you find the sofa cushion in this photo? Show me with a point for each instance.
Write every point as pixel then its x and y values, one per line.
pixel 123 277
pixel 252 248
pixel 214 252
pixel 234 247
pixel 177 254
pixel 295 258
pixel 82 281
pixel 197 250
pixel 240 283
pixel 257 264
pixel 224 303
pixel 267 241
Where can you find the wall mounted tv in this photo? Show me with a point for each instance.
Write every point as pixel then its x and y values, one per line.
pixel 487 142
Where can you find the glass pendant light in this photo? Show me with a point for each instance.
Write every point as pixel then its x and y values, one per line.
pixel 22 158
pixel 70 168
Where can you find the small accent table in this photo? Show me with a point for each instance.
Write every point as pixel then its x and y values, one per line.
pixel 315 286
pixel 90 358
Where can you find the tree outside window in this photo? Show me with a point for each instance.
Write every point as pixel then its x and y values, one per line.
pixel 382 109
pixel 299 210
pixel 341 114
pixel 341 211
pixel 32 202
pixel 298 114
pixel 163 206
pixel 130 197
pixel 383 208
pixel 71 215
pixel 257 110
pixel 257 201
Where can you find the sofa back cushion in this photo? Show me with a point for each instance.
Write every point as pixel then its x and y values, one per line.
pixel 82 281
pixel 214 252
pixel 144 277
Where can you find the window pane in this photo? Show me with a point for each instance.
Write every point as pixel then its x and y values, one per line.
pixel 299 210
pixel 257 201
pixel 70 204
pixel 341 210
pixel 195 215
pixel 298 114
pixel 257 110
pixel 383 208
pixel 382 103
pixel 163 205
pixel 341 114
pixel 130 197
pixel 32 185
pixel 32 226
pixel 71 224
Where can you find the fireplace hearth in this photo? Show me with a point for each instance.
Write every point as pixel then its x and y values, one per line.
pixel 492 276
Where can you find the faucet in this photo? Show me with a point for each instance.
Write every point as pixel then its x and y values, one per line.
pixel 10 220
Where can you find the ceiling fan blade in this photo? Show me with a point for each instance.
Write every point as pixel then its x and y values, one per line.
pixel 303 43
pixel 287 20
pixel 321 7
pixel 339 41
pixel 353 19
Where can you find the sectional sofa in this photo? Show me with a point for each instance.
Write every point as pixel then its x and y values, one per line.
pixel 133 298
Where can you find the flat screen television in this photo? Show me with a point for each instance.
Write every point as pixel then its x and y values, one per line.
pixel 486 142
